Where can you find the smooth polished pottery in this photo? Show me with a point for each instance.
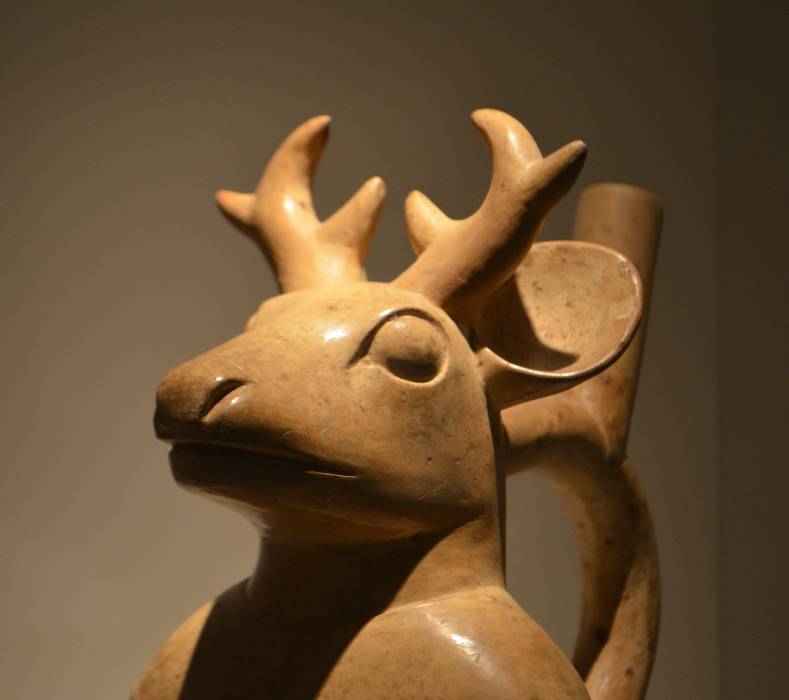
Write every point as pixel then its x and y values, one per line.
pixel 366 430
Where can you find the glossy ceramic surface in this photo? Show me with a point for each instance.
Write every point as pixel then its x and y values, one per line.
pixel 366 429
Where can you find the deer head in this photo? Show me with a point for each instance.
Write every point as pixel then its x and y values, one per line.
pixel 361 411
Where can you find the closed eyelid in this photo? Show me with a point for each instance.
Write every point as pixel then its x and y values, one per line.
pixel 367 341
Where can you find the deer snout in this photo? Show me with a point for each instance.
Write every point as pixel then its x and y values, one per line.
pixel 186 396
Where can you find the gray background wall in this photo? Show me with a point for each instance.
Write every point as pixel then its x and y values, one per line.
pixel 753 336
pixel 118 123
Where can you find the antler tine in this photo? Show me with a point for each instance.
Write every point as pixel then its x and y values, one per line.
pixel 463 261
pixel 280 217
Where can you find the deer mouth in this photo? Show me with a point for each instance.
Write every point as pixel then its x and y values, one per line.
pixel 195 461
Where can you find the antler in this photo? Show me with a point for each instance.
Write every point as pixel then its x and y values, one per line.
pixel 466 260
pixel 279 216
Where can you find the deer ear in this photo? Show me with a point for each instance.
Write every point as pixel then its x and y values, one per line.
pixel 567 313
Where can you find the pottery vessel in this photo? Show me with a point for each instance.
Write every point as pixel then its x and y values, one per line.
pixel 367 429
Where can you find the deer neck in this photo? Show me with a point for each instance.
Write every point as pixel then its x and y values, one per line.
pixel 301 578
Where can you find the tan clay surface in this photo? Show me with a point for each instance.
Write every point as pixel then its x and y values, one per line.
pixel 358 426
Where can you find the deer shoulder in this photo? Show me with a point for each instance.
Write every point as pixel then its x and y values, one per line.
pixel 476 645
pixel 164 676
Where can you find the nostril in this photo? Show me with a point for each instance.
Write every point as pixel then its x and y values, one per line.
pixel 222 390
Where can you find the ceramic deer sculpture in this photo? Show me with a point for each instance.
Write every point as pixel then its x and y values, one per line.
pixel 366 430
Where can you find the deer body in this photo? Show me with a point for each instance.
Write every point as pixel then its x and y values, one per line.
pixel 356 426
pixel 471 645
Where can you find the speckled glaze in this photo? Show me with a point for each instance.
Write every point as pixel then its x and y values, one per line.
pixel 366 430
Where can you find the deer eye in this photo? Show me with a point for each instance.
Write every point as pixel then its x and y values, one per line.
pixel 410 347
